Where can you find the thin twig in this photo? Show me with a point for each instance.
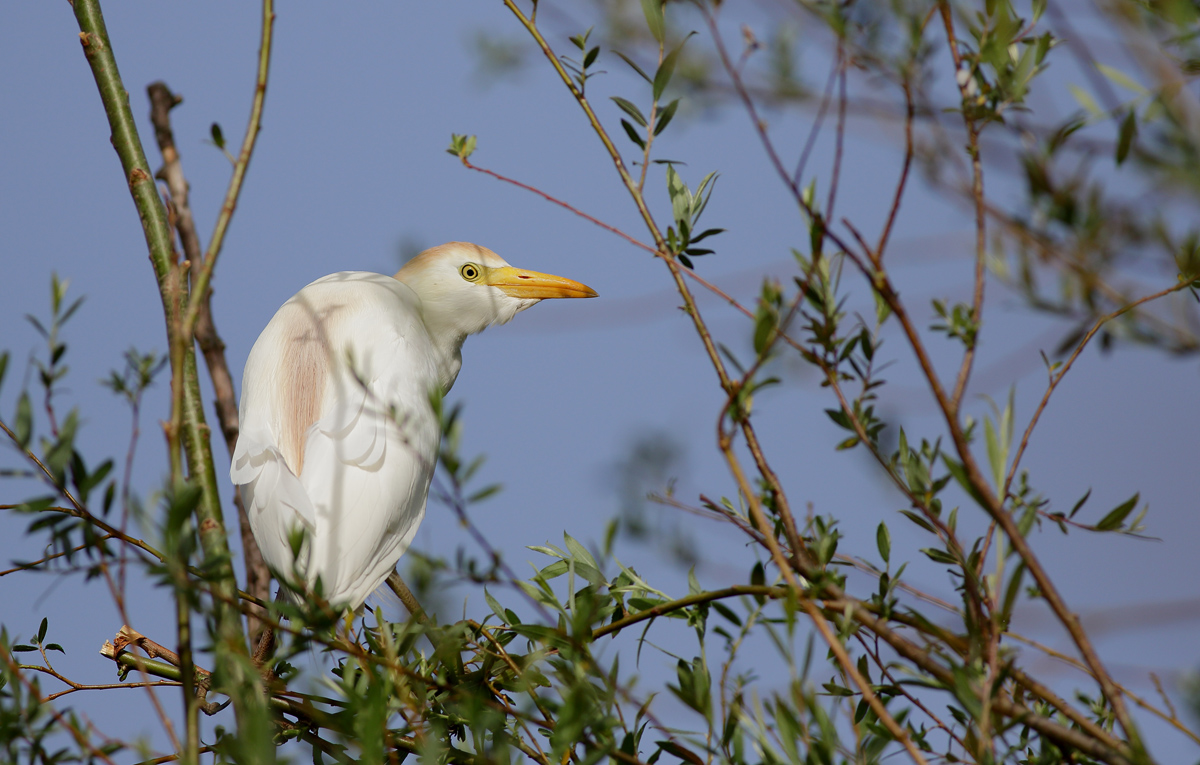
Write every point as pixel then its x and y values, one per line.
pixel 1055 379
pixel 258 577
pixel 200 291
pixel 968 360
pixel 811 141
pixel 903 182
pixel 839 133
pixel 97 47
pixel 81 740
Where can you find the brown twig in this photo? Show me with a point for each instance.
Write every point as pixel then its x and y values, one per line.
pixel 80 738
pixel 811 141
pixel 162 100
pixel 200 292
pixel 173 757
pixel 972 128
pixel 914 700
pixel 1055 379
pixel 919 656
pixel 903 182
pixel 74 686
pixel 840 133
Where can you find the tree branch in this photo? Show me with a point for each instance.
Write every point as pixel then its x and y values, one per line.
pixel 98 50
pixel 162 100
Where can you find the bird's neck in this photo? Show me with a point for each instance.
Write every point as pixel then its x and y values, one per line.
pixel 447 344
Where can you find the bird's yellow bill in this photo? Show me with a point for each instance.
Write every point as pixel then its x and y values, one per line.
pixel 519 283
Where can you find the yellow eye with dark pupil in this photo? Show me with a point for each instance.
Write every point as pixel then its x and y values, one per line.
pixel 470 272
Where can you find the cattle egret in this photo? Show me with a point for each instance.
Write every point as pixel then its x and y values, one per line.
pixel 338 435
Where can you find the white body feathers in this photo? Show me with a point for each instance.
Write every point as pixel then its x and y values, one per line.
pixel 356 478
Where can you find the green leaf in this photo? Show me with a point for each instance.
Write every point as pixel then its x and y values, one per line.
pixel 1126 136
pixel 580 41
pixel 654 19
pixel 707 233
pixel 883 540
pixel 833 689
pixel 484 493
pixel 579 552
pixel 634 66
pixel 494 604
pixel 71 310
pixel 939 556
pixel 666 69
pixel 461 146
pixel 1085 100
pixel 590 58
pixel 960 474
pixel 919 520
pixel 633 135
pixel 726 612
pixel 686 755
pixel 1014 589
pixel 631 109
pixel 1115 518
pixel 41 635
pixel 23 423
pixel 882 309
pixel 3 365
pixel 664 117
pixel 1079 504
pixel 218 138
pixel 1120 78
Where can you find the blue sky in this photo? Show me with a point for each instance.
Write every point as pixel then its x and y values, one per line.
pixel 350 169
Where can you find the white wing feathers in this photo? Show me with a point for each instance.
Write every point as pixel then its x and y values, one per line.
pixel 337 434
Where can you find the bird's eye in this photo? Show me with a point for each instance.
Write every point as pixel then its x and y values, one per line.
pixel 470 272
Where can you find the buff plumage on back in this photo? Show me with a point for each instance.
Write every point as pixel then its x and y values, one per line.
pixel 317 425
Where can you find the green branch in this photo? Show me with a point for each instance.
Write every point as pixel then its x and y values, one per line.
pixel 248 705
pixel 702 597
pixel 200 288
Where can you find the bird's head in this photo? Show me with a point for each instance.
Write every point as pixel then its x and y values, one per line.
pixel 465 288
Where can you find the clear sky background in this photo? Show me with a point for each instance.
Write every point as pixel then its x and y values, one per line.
pixel 350 172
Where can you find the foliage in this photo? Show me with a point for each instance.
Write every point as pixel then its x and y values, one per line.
pixel 859 674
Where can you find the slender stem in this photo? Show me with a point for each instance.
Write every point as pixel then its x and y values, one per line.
pixel 172 757
pixel 900 186
pixel 555 200
pixel 839 650
pixel 638 199
pixel 99 53
pixel 975 477
pixel 618 162
pixel 811 141
pixel 650 131
pixel 162 100
pixel 200 287
pixel 1170 717
pixel 69 725
pixel 1055 379
pixel 691 600
pixel 919 656
pixel 968 360
pixel 839 135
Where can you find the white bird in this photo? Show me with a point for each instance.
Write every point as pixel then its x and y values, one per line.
pixel 338 436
